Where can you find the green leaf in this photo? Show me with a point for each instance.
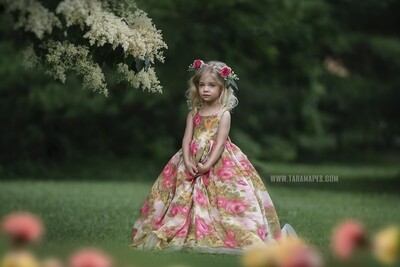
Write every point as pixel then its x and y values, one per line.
pixel 139 64
pixel 146 64
pixel 234 85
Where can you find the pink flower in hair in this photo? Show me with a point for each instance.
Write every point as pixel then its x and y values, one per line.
pixel 197 64
pixel 22 227
pixel 225 72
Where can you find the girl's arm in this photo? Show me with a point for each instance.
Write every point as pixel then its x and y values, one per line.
pixel 187 137
pixel 222 136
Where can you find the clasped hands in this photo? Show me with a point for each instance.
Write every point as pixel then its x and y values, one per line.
pixel 196 170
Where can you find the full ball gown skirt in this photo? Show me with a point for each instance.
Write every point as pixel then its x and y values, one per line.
pixel 222 211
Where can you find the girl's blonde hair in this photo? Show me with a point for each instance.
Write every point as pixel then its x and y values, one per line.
pixel 227 99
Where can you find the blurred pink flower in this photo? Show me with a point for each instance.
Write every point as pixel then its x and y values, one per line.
pixel 346 237
pixel 287 252
pixel 90 257
pixel 302 256
pixel 23 227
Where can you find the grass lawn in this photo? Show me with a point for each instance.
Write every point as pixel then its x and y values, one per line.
pixel 101 213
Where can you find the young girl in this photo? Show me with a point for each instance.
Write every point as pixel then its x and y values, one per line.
pixel 209 197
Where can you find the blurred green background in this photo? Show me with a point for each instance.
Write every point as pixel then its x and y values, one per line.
pixel 318 83
pixel 319 93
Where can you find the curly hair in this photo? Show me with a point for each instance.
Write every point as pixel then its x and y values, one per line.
pixel 227 99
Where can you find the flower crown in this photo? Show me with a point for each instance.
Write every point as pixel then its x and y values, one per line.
pixel 226 72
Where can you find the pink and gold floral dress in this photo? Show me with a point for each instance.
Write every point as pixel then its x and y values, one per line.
pixel 222 211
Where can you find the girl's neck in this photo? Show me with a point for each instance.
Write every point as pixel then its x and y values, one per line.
pixel 208 109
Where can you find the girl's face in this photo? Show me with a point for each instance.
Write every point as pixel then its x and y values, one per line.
pixel 209 89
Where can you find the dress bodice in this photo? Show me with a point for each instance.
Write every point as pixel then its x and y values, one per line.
pixel 205 130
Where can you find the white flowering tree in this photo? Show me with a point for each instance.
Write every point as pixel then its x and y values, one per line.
pixel 82 36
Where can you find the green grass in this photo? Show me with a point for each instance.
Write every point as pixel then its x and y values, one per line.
pixel 101 213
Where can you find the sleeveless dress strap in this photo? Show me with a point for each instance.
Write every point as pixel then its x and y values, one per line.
pixel 221 112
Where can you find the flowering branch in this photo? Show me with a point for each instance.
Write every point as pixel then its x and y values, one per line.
pixel 80 36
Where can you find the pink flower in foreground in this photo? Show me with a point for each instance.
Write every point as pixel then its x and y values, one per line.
pixel 198 63
pixel 23 227
pixel 347 237
pixel 302 256
pixel 90 257
pixel 225 72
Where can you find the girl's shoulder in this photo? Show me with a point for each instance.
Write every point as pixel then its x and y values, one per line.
pixel 225 114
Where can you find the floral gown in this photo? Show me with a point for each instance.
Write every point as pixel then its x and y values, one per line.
pixel 222 211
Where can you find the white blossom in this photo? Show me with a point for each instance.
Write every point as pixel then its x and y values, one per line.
pixel 32 16
pixel 63 57
pixel 117 23
pixel 147 79
pixel 29 58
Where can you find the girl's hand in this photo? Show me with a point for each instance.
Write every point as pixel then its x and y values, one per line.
pixel 202 168
pixel 191 169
